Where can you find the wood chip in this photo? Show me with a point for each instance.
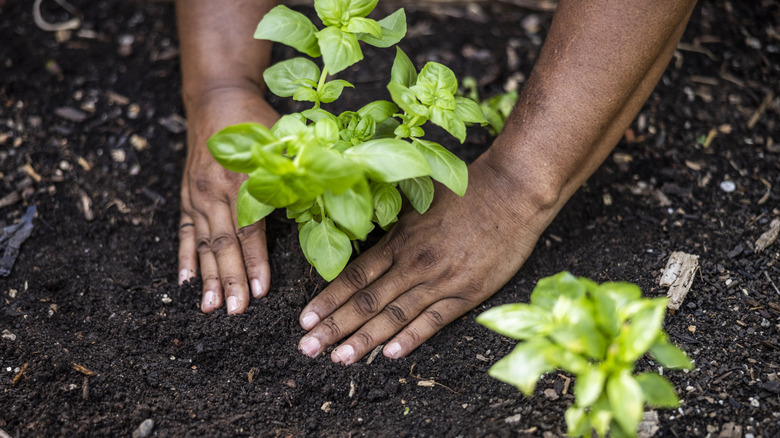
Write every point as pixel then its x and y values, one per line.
pixel 28 169
pixel 427 383
pixel 83 370
pixel 10 199
pixel 678 277
pixel 116 98
pixel 649 425
pixel 71 114
pixel 769 237
pixel 251 374
pixel 86 205
pixel 139 143
pixel 327 407
pixel 730 430
pixel 760 110
pixel 18 375
pixel 374 354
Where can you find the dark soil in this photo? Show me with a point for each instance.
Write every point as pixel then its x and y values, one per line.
pixel 97 337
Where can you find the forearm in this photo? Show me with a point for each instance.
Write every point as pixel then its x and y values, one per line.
pixel 217 48
pixel 599 64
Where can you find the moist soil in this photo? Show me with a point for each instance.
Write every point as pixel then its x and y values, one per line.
pixel 97 336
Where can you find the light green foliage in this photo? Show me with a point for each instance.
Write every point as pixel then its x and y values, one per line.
pixel 496 109
pixel 595 332
pixel 337 175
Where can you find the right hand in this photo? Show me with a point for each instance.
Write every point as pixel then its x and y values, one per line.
pixel 232 260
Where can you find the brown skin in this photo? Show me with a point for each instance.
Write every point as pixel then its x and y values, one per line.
pixel 600 62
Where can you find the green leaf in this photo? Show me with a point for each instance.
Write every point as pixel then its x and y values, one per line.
pixel 548 289
pixel 270 189
pixel 339 49
pixel 669 355
pixel 436 76
pixel 468 111
pixel 283 25
pixel 317 114
pixel 331 12
pixel 380 110
pixel 419 192
pixel 450 122
pixel 589 386
pixel 351 209
pixel 393 30
pixel 288 125
pixel 360 8
pixel 332 90
pixel 303 238
pixel 364 25
pixel 328 248
pixel 248 209
pixel 389 160
pixel 642 330
pixel 523 366
pixel 576 421
pixel 403 71
pixel 625 400
pixel 306 94
pixel 658 391
pixel 329 168
pixel 281 77
pixel 326 131
pixel 386 129
pixel 387 203
pixel 406 100
pixel 446 168
pixel 621 293
pixel 605 312
pixel 518 321
pixel 600 416
pixel 233 147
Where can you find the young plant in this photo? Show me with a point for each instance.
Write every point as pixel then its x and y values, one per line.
pixel 496 108
pixel 595 332
pixel 338 174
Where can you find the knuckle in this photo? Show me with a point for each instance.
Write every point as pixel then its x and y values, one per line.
pixel 413 336
pixel 355 276
pixel 434 317
pixel 222 243
pixel 364 339
pixel 228 281
pixel 396 240
pixel 203 185
pixel 331 328
pixel 396 314
pixel 426 258
pixel 203 245
pixel 365 302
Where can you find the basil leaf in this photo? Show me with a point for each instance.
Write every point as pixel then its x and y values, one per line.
pixel 360 8
pixel 326 131
pixel 403 71
pixel 518 321
pixel 283 25
pixel 233 146
pixel 589 386
pixel 331 12
pixel 524 365
pixel 576 421
pixel 270 189
pixel 328 168
pixel 393 30
pixel 248 209
pixel 306 94
pixel 339 49
pixel 380 110
pixel 625 400
pixel 287 125
pixel 450 122
pixel 328 249
pixel 332 90
pixel 317 114
pixel 386 202
pixel 419 192
pixel 364 25
pixel 642 330
pixel 658 391
pixel 281 77
pixel 446 168
pixel 549 289
pixel 303 238
pixel 669 355
pixel 387 128
pixel 468 111
pixel 389 160
pixel 438 77
pixel 351 209
pixel 406 100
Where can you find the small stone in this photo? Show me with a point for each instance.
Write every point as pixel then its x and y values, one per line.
pixel 728 186
pixel 514 419
pixel 327 407
pixel 8 335
pixel 133 111
pixel 12 293
pixel 166 299
pixel 70 113
pixel 139 143
pixel 118 155
pixel 551 394
pixel 145 429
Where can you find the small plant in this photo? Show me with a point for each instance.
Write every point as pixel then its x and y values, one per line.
pixel 595 332
pixel 338 174
pixel 496 108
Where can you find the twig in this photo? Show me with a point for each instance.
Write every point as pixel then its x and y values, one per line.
pixel 772 282
pixel 760 111
pixel 418 377
pixel 73 23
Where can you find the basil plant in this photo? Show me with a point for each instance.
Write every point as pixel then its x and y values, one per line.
pixel 596 332
pixel 339 174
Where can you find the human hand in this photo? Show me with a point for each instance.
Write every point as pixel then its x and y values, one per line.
pixel 432 268
pixel 232 260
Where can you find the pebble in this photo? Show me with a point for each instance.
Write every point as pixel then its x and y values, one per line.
pixel 145 429
pixel 728 186
pixel 70 113
pixel 514 419
pixel 8 335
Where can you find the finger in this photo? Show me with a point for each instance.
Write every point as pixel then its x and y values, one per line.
pixel 388 322
pixel 357 275
pixel 188 255
pixel 364 304
pixel 255 250
pixel 430 321
pixel 229 259
pixel 209 271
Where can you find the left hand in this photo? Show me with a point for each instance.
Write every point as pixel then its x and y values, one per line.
pixel 430 269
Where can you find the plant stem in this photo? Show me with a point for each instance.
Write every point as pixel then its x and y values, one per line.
pixel 412 123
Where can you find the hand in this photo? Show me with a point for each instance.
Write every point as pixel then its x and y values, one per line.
pixel 430 269
pixel 232 260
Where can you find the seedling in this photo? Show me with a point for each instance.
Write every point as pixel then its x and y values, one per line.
pixel 596 332
pixel 337 175
pixel 496 108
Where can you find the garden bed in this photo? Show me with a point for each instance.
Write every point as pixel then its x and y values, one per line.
pixel 97 337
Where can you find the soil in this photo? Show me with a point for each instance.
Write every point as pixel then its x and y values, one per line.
pixel 97 337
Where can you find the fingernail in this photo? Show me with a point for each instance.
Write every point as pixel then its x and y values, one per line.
pixel 344 354
pixel 184 275
pixel 393 351
pixel 232 304
pixel 309 320
pixel 310 346
pixel 209 299
pixel 257 288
